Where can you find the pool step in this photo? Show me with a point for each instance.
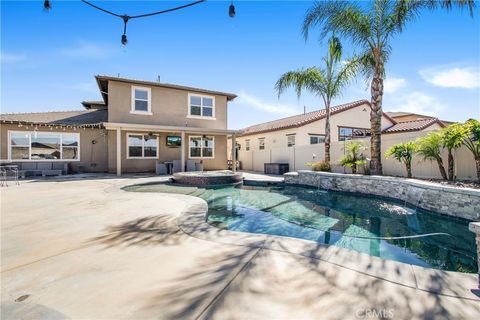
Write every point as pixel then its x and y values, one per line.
pixel 206 194
pixel 197 192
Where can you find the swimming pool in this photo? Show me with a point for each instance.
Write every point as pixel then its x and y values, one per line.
pixel 375 226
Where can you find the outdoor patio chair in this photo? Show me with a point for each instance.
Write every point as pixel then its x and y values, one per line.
pixel 191 165
pixel 47 169
pixel 63 166
pixel 160 168
pixel 177 166
pixel 28 169
pixel 198 166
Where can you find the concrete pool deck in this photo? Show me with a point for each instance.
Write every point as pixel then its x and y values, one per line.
pixel 84 248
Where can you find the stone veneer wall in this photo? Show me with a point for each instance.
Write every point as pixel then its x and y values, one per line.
pixel 463 203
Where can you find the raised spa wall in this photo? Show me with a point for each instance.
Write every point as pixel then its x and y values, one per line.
pixel 463 203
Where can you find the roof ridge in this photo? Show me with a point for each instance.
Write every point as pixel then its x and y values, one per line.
pixel 98 77
pixel 310 112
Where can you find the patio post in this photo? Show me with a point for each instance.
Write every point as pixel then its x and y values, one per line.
pixel 234 153
pixel 475 227
pixel 119 152
pixel 182 146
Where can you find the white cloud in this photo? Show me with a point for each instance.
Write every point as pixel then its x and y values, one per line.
pixel 392 84
pixel 418 102
pixel 259 104
pixel 12 57
pixel 452 77
pixel 86 50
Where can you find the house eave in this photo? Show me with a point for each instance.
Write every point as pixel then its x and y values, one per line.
pixel 162 128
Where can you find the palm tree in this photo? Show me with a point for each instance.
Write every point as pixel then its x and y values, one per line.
pixel 353 155
pixel 371 29
pixel 472 141
pixel 403 152
pixel 325 82
pixel 430 148
pixel 452 139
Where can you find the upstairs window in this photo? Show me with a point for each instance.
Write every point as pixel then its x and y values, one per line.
pixel 141 100
pixel 349 133
pixel 247 145
pixel 261 144
pixel 291 140
pixel 317 138
pixel 201 106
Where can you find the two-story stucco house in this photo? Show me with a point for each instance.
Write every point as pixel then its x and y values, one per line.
pixel 135 125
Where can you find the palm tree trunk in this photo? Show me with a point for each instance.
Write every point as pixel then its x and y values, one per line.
pixel 477 162
pixel 327 133
pixel 354 168
pixel 409 169
pixel 442 168
pixel 450 165
pixel 376 124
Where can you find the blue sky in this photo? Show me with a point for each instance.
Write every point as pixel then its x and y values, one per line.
pixel 48 60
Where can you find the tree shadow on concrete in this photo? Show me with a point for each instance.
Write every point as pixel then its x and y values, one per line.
pixel 145 231
pixel 189 295
pixel 438 296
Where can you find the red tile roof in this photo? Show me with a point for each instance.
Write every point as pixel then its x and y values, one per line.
pixel 299 120
pixel 414 125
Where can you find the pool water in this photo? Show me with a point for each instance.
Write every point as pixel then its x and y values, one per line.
pixel 374 226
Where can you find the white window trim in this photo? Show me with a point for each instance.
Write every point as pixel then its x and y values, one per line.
pixel 260 145
pixel 201 149
pixel 143 146
pixel 247 145
pixel 149 101
pixel 294 140
pixel 190 115
pixel 318 136
pixel 9 151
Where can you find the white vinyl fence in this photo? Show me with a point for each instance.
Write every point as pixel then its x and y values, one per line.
pixel 297 157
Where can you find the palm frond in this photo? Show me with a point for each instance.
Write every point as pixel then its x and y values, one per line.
pixel 311 79
pixel 345 18
pixel 346 73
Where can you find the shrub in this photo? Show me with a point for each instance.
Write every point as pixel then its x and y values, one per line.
pixel 429 147
pixel 403 152
pixel 353 155
pixel 320 166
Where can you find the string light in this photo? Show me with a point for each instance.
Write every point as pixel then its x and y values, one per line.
pixel 125 18
pixel 231 10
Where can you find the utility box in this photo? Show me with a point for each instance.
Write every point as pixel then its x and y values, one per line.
pixel 275 168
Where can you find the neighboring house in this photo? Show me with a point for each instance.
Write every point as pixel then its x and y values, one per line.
pixel 136 124
pixel 299 140
pixel 347 121
pixel 408 116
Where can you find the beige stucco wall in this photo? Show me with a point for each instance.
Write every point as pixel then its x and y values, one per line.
pixel 358 117
pixel 93 157
pixel 169 107
pixel 164 154
pixel 297 157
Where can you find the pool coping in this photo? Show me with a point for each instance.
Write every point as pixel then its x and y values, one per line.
pixel 453 284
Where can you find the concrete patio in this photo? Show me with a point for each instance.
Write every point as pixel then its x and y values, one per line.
pixel 84 248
